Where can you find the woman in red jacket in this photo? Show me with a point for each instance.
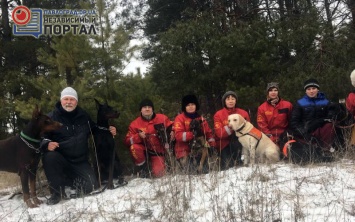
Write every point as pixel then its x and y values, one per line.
pixel 274 114
pixel 142 139
pixel 183 133
pixel 226 142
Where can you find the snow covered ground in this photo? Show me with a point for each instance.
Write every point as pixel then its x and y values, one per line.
pixel 279 192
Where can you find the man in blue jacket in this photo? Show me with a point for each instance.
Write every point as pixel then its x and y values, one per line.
pixel 66 150
pixel 310 117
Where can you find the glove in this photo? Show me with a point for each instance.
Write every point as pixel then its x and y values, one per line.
pixel 312 125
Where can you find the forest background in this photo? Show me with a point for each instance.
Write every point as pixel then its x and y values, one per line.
pixel 205 47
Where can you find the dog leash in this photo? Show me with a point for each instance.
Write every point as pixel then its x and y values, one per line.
pixel 97 161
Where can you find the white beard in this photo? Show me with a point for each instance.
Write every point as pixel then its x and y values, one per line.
pixel 69 108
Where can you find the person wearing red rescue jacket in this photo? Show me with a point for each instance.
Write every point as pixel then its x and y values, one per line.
pixel 142 140
pixel 227 143
pixel 274 114
pixel 350 105
pixel 350 99
pixel 184 134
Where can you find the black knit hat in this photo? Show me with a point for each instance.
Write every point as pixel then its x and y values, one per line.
pixel 311 82
pixel 228 93
pixel 146 102
pixel 189 99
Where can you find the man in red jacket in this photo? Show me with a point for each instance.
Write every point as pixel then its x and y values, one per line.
pixel 274 114
pixel 226 141
pixel 143 142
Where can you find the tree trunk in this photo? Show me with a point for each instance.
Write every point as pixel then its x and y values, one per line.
pixel 352 10
pixel 6 33
pixel 69 76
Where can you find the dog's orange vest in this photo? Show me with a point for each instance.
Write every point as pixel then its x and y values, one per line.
pixel 254 132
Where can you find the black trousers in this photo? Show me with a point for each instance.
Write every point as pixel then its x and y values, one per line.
pixel 60 173
pixel 231 155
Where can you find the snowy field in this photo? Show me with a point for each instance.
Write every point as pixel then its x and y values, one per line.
pixel 279 192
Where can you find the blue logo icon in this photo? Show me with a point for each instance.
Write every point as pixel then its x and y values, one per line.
pixel 33 27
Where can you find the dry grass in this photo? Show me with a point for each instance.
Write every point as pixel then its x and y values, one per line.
pixel 9 180
pixel 254 193
pixel 10 183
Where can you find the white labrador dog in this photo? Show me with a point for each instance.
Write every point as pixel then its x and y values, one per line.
pixel 257 147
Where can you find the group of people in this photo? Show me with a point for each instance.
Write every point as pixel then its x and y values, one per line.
pixel 66 150
pixel 305 119
pixel 308 120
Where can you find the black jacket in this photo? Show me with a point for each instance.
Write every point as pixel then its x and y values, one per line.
pixel 74 134
pixel 308 114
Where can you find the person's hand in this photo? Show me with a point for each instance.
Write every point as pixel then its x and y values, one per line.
pixel 113 130
pixel 52 146
pixel 142 134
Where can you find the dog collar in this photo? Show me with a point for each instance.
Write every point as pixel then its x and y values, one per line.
pixel 29 138
pixel 240 129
